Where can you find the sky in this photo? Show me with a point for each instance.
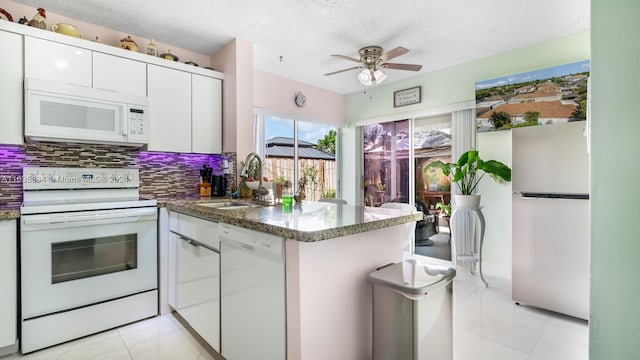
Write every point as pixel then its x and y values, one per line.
pixel 573 68
pixel 307 131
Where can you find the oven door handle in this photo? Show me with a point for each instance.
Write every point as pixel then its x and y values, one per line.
pixel 125 216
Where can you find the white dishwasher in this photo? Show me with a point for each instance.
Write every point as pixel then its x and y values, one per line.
pixel 252 290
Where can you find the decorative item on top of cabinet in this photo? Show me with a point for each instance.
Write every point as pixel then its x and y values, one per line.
pixel 191 63
pixel 4 15
pixel 38 19
pixel 129 44
pixel 23 20
pixel 169 56
pixel 151 48
pixel 66 29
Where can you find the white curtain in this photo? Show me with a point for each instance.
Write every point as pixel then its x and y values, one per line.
pixel 463 131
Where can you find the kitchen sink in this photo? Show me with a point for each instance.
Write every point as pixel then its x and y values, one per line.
pixel 229 205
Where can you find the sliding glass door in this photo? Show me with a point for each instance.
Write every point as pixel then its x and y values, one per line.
pixel 432 141
pixel 386 162
pixel 396 155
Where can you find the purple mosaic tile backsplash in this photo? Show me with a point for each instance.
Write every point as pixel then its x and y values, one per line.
pixel 162 175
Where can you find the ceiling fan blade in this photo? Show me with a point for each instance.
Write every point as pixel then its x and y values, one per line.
pixel 346 58
pixel 343 70
pixel 397 66
pixel 393 53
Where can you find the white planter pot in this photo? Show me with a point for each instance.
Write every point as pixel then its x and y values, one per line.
pixel 467 200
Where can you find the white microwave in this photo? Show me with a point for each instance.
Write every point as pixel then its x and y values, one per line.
pixel 70 113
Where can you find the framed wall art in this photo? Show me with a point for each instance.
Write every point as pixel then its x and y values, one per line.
pixel 407 96
pixel 542 97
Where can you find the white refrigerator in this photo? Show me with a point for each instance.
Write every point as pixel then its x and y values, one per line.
pixel 550 251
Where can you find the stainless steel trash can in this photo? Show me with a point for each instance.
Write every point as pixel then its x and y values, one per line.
pixel 412 311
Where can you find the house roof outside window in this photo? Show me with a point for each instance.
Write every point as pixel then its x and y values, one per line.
pixel 282 147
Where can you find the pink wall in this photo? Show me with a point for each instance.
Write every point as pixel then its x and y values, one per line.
pixel 235 60
pixel 276 93
pixel 225 61
pixel 107 36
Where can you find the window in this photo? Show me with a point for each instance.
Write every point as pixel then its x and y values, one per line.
pixel 300 152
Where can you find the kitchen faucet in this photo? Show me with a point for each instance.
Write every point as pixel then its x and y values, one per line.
pixel 245 172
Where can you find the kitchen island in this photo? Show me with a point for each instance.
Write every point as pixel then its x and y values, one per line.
pixel 329 251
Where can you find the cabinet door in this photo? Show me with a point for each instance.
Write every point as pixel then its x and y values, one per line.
pixel 48 60
pixel 119 74
pixel 11 89
pixel 8 282
pixel 169 109
pixel 206 105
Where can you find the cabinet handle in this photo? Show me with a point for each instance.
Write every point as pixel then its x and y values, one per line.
pixel 196 243
pixel 193 243
pixel 189 241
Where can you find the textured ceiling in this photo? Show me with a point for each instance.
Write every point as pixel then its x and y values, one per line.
pixel 305 32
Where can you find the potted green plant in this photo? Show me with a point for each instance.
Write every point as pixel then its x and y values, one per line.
pixel 446 208
pixel 467 173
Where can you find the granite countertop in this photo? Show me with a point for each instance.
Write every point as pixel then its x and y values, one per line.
pixel 308 222
pixel 9 212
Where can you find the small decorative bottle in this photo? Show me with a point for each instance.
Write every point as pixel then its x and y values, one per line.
pixel 151 49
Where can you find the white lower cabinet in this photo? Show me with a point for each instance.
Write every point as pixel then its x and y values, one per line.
pixel 8 286
pixel 194 274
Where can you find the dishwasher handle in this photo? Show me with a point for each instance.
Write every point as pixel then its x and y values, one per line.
pixel 265 246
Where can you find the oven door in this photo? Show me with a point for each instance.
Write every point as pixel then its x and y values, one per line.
pixel 74 259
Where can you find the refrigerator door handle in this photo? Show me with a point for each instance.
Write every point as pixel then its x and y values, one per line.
pixel 528 195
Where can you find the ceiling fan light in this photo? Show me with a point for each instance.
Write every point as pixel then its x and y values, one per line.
pixel 364 77
pixel 380 76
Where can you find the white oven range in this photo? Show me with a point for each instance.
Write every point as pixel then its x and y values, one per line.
pixel 88 253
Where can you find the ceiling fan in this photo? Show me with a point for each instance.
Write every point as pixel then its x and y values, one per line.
pixel 372 59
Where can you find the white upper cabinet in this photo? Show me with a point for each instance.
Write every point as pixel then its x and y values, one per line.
pixel 11 89
pixel 119 74
pixel 169 109
pixel 206 120
pixel 49 60
pixel 185 102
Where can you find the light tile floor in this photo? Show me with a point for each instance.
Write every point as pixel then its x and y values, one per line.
pixel 162 337
pixel 487 325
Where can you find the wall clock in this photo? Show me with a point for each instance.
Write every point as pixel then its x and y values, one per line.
pixel 300 99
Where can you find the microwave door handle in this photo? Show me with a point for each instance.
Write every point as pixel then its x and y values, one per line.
pixel 125 122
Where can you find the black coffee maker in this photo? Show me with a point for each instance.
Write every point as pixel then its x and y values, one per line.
pixel 218 186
